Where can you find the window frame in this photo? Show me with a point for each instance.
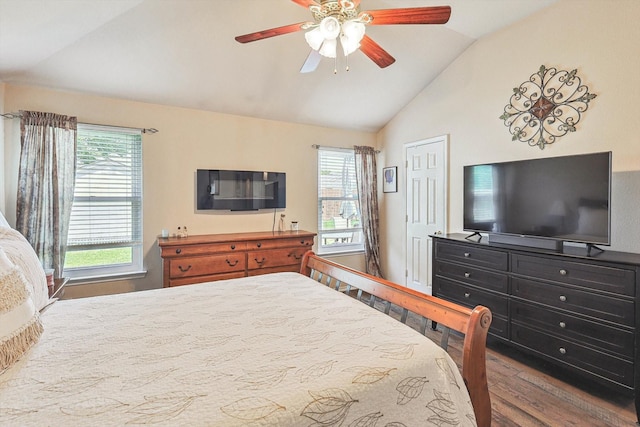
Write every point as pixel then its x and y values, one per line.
pixel 135 199
pixel 336 248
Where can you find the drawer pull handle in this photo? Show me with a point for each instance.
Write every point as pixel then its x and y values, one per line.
pixel 178 251
pixel 467 254
pixel 233 247
pixel 563 325
pixel 467 275
pixel 232 265
pixel 467 294
pixel 259 262
pixel 562 350
pixel 563 298
pixel 302 242
pixel 259 245
pixel 295 256
pixel 184 270
pixel 563 272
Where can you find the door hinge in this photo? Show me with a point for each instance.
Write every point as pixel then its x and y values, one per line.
pixel 406 273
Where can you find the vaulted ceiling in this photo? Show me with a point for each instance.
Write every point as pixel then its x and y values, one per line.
pixel 183 53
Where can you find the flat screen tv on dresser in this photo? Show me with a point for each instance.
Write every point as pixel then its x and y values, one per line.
pixel 541 202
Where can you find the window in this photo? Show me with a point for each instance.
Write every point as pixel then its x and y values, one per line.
pixel 105 232
pixel 339 227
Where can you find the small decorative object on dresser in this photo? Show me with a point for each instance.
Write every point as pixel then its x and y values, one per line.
pixel 204 258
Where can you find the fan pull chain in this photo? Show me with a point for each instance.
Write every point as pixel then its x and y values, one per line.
pixel 335 65
pixel 346 61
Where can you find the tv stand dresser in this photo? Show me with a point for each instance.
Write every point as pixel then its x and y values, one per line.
pixel 578 311
pixel 209 257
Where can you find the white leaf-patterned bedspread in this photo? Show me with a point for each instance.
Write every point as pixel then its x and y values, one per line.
pixel 277 349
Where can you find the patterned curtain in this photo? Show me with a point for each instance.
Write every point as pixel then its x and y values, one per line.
pixel 367 180
pixel 45 184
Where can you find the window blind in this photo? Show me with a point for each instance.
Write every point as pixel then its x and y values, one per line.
pixel 339 228
pixel 107 205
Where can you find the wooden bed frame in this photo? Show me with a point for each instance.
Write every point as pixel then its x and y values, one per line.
pixel 473 323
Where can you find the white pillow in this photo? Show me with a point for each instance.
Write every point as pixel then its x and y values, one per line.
pixel 20 253
pixel 20 326
pixel 3 221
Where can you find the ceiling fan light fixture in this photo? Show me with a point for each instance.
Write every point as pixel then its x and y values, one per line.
pixel 351 35
pixel 330 28
pixel 314 38
pixel 329 48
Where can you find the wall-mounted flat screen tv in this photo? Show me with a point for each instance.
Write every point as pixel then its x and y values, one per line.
pixel 565 198
pixel 236 190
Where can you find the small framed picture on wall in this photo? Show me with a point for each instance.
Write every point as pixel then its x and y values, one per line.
pixel 390 179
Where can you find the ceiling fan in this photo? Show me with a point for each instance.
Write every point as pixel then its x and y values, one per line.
pixel 342 20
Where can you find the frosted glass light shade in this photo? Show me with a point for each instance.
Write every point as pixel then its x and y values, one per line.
pixel 328 48
pixel 330 28
pixel 352 34
pixel 314 38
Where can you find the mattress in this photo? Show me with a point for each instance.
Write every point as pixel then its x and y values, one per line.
pixel 277 349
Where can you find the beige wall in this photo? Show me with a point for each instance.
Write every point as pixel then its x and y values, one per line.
pixel 599 38
pixel 188 140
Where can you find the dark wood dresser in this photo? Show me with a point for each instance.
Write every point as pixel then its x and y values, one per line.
pixel 205 258
pixel 576 310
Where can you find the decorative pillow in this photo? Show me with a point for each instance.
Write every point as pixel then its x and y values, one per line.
pixel 20 253
pixel 20 326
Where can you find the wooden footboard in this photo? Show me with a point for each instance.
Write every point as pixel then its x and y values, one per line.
pixel 473 323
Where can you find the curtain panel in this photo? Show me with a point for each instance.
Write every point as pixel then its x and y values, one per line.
pixel 367 180
pixel 46 180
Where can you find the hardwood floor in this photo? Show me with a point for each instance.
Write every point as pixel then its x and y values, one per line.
pixel 526 391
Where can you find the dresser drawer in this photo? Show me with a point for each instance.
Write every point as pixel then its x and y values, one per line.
pixel 470 296
pixel 597 306
pixel 206 265
pixel 563 325
pixel 211 248
pixel 583 358
pixel 469 255
pixel 301 242
pixel 275 257
pixel 600 277
pixel 498 282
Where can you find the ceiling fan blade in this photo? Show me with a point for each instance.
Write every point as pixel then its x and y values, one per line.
pixel 272 32
pixel 305 3
pixel 375 52
pixel 312 62
pixel 411 15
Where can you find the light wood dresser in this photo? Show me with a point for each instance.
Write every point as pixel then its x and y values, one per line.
pixel 209 257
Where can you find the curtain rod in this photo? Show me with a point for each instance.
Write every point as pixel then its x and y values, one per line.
pixel 143 130
pixel 317 147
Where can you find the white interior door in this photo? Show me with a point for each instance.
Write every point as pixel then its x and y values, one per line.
pixel 426 184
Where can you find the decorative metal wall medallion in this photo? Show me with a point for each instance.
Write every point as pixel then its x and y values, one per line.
pixel 546 107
